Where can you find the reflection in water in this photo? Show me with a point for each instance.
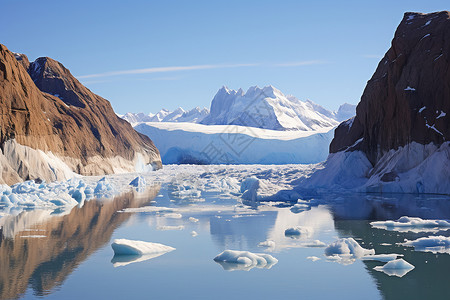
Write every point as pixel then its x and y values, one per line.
pixel 44 263
pixel 123 260
pixel 429 279
pixel 227 266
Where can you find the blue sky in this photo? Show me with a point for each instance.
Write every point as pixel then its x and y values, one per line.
pixel 145 55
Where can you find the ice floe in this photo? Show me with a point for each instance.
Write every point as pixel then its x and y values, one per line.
pixel 244 260
pixel 382 257
pixel 413 224
pixel 133 247
pixel 131 251
pixel 398 267
pixel 347 248
pixel 434 244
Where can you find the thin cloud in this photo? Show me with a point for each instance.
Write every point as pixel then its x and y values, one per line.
pixel 165 69
pixel 194 67
pixel 300 63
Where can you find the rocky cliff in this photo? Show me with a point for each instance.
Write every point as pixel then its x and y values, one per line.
pixel 398 142
pixel 408 98
pixel 52 125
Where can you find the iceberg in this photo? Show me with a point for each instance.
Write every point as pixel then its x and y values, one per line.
pixel 132 247
pixel 434 244
pixel 244 260
pixel 138 182
pixel 347 247
pixel 398 267
pixel 405 224
pixel 382 257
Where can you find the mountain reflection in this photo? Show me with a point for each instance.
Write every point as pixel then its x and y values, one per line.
pixel 40 249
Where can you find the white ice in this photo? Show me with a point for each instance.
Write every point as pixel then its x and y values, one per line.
pixel 138 182
pixel 347 247
pixel 382 257
pixel 132 247
pixel 434 244
pixel 413 224
pixel 229 258
pixel 398 267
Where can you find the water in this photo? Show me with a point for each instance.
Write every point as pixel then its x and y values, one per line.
pixel 70 256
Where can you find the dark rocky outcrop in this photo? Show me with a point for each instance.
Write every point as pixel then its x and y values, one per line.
pixel 44 107
pixel 408 98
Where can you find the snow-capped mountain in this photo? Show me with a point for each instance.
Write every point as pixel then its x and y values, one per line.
pixel 194 115
pixel 266 108
pixel 269 108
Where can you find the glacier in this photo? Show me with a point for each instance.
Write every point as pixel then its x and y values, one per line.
pixel 188 143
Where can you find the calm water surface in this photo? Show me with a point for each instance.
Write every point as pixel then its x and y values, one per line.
pixel 49 254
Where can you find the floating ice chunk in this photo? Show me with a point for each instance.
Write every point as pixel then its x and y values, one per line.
pixel 422 109
pixel 231 259
pixel 313 258
pixel 131 247
pixel 434 244
pixel 299 231
pixel 138 182
pixel 382 257
pixel 347 246
pixel 193 220
pixel 408 88
pixel 398 267
pixel 268 244
pixel 194 233
pixel 413 224
pixel 172 215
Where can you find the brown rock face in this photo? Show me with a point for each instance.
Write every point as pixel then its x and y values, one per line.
pixel 408 97
pixel 77 125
